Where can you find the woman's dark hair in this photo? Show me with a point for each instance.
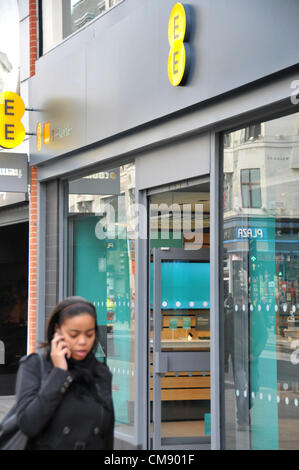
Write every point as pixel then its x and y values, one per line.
pixel 69 307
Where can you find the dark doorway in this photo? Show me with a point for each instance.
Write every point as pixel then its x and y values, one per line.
pixel 13 302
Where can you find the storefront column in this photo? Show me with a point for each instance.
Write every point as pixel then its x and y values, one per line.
pixel 33 213
pixel 141 333
pixel 214 286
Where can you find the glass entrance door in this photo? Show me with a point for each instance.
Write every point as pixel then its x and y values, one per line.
pixel 181 349
pixel 179 346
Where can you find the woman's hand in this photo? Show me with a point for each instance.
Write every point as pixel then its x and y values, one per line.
pixel 59 351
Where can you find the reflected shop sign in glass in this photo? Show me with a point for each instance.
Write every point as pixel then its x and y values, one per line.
pixel 105 182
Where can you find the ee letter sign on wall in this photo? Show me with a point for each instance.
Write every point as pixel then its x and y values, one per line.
pixel 179 26
pixel 12 131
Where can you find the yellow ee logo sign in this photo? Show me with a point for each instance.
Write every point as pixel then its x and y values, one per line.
pixel 179 54
pixel 12 131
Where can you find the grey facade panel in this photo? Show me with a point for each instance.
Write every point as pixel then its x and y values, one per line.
pixel 255 103
pixel 177 161
pixel 112 76
pixel 51 247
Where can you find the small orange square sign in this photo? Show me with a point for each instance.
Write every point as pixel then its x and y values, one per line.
pixel 46 133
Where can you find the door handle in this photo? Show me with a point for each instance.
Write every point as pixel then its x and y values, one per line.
pixel 191 361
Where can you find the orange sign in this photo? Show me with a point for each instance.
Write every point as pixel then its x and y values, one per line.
pixel 46 133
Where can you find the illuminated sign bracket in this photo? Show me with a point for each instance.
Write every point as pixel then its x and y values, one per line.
pixel 35 110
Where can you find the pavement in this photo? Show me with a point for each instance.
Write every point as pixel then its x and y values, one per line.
pixel 6 403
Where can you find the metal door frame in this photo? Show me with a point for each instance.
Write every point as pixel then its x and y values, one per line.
pixel 174 361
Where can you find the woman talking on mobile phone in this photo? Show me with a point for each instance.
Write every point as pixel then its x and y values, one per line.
pixel 71 408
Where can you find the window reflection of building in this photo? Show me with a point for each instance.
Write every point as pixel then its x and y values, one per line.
pixel 250 188
pixel 227 192
pixel 83 11
pixel 261 275
pixel 252 132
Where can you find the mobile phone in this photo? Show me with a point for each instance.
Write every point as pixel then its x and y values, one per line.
pixel 67 353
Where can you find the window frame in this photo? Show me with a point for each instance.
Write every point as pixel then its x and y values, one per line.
pixel 250 186
pixel 65 26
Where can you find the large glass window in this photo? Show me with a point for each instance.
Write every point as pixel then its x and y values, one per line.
pixel 102 269
pixel 261 286
pixel 60 18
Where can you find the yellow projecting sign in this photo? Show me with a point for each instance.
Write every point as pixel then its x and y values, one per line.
pixel 12 131
pixel 178 32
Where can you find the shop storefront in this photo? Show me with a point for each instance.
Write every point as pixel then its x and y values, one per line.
pixel 174 210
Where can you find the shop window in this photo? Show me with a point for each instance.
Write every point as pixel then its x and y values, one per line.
pixel 102 269
pixel 60 18
pixel 261 293
pixel 251 188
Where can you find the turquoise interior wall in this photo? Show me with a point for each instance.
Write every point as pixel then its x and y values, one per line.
pixel 89 252
pixel 101 271
pixel 184 282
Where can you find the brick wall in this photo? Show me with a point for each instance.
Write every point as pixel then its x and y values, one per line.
pixel 33 202
pixel 32 294
pixel 32 35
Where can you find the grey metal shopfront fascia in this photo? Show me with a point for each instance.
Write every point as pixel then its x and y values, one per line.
pixel 117 65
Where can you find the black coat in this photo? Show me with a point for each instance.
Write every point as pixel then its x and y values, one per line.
pixel 66 413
